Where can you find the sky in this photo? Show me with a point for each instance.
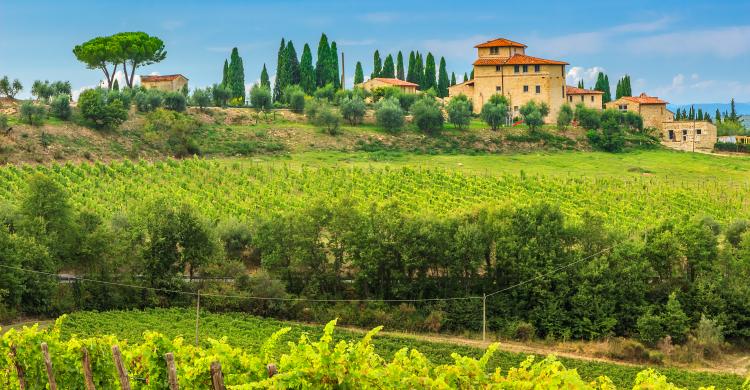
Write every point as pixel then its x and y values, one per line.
pixel 683 51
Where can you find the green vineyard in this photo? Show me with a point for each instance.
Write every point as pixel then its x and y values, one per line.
pixel 225 188
pixel 305 356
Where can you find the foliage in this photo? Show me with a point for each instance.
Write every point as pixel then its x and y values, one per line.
pixel 324 115
pixel 389 115
pixel 588 118
pixel 260 98
pixel 148 100
pixel 533 114
pixel 616 129
pixel 59 107
pixel 173 132
pixel 427 115
pixel 353 110
pixel 101 111
pixel 443 81
pixel 359 75
pixel 10 89
pixel 32 114
pixel 495 111
pixel 564 117
pixel 45 90
pixel 326 92
pixel 201 98
pixel 459 111
pixel 236 76
pixel 221 95
pixel 175 101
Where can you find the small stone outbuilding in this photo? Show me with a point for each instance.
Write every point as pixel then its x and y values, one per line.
pixel 166 83
pixel 588 97
pixel 653 110
pixel 382 82
pixel 689 135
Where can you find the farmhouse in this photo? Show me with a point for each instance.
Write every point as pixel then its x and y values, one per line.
pixel 502 67
pixel 653 110
pixel 589 98
pixel 689 135
pixel 380 82
pixel 167 83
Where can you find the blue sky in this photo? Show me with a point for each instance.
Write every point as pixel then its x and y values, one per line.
pixel 684 51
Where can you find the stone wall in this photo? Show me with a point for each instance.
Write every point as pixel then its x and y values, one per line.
pixel 689 135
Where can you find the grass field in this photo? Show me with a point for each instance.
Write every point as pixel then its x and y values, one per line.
pixel 250 332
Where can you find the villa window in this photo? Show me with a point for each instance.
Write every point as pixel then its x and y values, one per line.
pixel 671 135
pixel 498 68
pixel 538 89
pixel 515 108
pixel 536 68
pixel 515 69
pixel 525 69
pixel 498 89
pixel 623 107
pixel 570 99
pixel 592 98
pixel 698 131
pixel 684 135
pixel 494 51
pixel 526 88
pixel 581 97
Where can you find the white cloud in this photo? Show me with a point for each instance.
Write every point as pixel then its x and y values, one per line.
pixel 694 89
pixel 455 48
pixel 725 42
pixel 588 75
pixel 650 26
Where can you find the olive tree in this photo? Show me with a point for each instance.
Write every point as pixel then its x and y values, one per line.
pixel 459 111
pixel 495 111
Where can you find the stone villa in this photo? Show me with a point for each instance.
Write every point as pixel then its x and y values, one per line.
pixel 379 82
pixel 167 83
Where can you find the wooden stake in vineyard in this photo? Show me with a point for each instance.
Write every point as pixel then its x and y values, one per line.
pixel 88 376
pixel 171 372
pixel 19 370
pixel 122 373
pixel 48 366
pixel 217 379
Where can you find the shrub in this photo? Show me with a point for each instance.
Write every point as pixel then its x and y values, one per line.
pixel 220 94
pixel 236 237
pixel 173 131
pixel 260 98
pixel 564 117
pixel 533 114
pixel 650 329
pixel 710 337
pixel 434 321
pixel 588 118
pixel 324 115
pixel 100 112
pixel 459 111
pixel 427 115
pixel 149 100
pixel 523 331
pixel 735 231
pixel 201 98
pixel 59 107
pixel 495 111
pixel 380 93
pixel 325 93
pixel 3 123
pixel 32 114
pixel 628 350
pixel 340 95
pixel 125 96
pixel 297 101
pixel 175 101
pixel 353 110
pixel 406 100
pixel 389 115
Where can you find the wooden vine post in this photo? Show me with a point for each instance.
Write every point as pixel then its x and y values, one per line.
pixel 19 370
pixel 122 373
pixel 88 376
pixel 217 379
pixel 272 370
pixel 48 366
pixel 171 371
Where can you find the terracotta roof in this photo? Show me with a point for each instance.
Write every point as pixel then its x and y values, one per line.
pixel 398 82
pixel 467 82
pixel 645 99
pixel 166 77
pixel 580 91
pixel 500 42
pixel 517 59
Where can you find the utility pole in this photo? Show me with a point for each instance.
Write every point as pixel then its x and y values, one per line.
pixel 197 316
pixel 484 317
pixel 343 75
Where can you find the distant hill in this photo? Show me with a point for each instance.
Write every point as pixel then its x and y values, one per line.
pixel 742 108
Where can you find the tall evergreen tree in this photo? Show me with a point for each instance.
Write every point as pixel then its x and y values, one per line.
pixel 418 69
pixel 627 88
pixel 580 84
pixel 280 83
pixel 410 75
pixel 453 78
pixel 732 112
pixel 377 65
pixel 333 66
pixel 718 116
pixel 443 81
pixel 306 71
pixel 389 70
pixel 400 66
pixel 466 77
pixel 225 74
pixel 292 65
pixel 699 115
pixel 602 84
pixel 322 63
pixel 472 75
pixel 264 80
pixel 618 89
pixel 607 93
pixel 430 73
pixel 236 75
pixel 359 74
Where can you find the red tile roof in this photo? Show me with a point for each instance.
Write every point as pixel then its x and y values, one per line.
pixel 500 42
pixel 517 59
pixel 580 91
pixel 398 82
pixel 166 77
pixel 645 99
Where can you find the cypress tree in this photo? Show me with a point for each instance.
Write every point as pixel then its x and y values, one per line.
pixel 321 63
pixel 236 75
pixel 684 114
pixel 472 74
pixel 580 84
pixel 607 93
pixel 466 77
pixel 292 65
pixel 400 66
pixel 389 70
pixel 699 115
pixel 443 81
pixel 618 89
pixel 306 71
pixel 225 74
pixel 410 76
pixel 333 67
pixel 359 75
pixel 628 89
pixel 732 112
pixel 418 69
pixel 453 78
pixel 279 84
pixel 691 113
pixel 377 65
pixel 116 85
pixel 718 116
pixel 430 73
pixel 264 80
